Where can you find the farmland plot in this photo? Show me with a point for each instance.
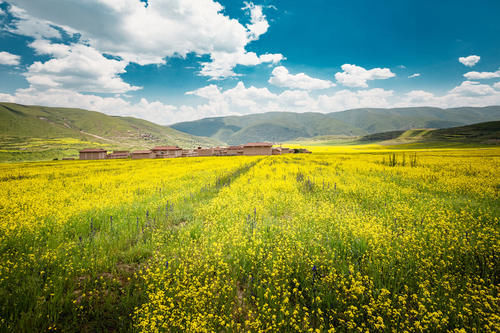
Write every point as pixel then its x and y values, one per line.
pixel 342 240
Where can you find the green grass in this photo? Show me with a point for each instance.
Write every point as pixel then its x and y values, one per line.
pixel 471 136
pixel 42 133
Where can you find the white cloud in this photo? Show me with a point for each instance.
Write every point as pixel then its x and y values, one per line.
pixel 223 63
pixel 241 100
pixel 482 75
pixel 347 99
pixel 28 25
pixel 471 89
pixel 7 58
pixel 418 96
pixel 356 76
pixel 497 85
pixel 414 75
pixel 76 67
pixel 469 61
pixel 282 78
pixel 258 23
pixel 153 111
pixel 147 35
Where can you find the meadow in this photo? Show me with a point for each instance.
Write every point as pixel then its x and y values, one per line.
pixel 353 238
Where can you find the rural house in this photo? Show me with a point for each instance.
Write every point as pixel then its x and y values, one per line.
pixel 204 151
pixel 138 154
pixel 235 150
pixel 92 154
pixel 281 150
pixel 257 148
pixel 167 151
pixel 118 154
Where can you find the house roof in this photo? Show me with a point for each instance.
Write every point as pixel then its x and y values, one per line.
pixel 142 152
pixel 166 148
pixel 92 150
pixel 258 144
pixel 235 147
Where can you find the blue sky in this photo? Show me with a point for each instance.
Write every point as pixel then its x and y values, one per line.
pixel 175 60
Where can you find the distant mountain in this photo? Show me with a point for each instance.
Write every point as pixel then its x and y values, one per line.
pixel 38 132
pixel 482 133
pixel 285 126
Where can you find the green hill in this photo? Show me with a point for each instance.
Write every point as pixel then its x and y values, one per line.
pixel 37 132
pixel 271 126
pixel 482 134
pixel 286 126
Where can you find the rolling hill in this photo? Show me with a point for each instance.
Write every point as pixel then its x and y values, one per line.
pixel 487 133
pixel 37 132
pixel 286 126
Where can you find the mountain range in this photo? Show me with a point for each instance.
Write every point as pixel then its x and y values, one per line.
pixel 286 126
pixel 40 133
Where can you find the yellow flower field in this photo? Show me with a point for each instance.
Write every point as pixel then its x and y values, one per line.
pixel 345 239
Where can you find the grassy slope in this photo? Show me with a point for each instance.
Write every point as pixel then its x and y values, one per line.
pixel 271 126
pixel 285 126
pixel 36 132
pixel 482 134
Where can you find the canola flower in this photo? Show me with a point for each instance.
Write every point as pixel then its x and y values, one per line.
pixel 340 240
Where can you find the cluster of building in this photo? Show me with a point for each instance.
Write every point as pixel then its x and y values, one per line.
pixel 249 149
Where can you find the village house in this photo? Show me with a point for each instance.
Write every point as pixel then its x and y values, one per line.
pixel 257 148
pixel 220 151
pixel 189 153
pixel 167 151
pixel 249 149
pixel 205 151
pixel 138 154
pixel 235 150
pixel 92 154
pixel 119 154
pixel 281 150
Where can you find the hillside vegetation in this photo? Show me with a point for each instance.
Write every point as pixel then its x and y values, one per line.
pixel 476 135
pixel 286 126
pixel 37 132
pixel 487 133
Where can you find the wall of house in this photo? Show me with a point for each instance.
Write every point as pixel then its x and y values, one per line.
pixel 204 152
pixel 139 156
pixel 250 151
pixel 93 156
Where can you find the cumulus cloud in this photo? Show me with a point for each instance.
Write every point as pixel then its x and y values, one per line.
pixel 482 75
pixel 116 106
pixel 469 61
pixel 472 88
pixel 418 96
pixel 497 86
pixel 282 78
pixel 28 25
pixel 223 63
pixel 241 100
pixel 258 23
pixel 347 99
pixel 466 94
pixel 76 67
pixel 7 58
pixel 148 34
pixel 414 75
pixel 356 76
